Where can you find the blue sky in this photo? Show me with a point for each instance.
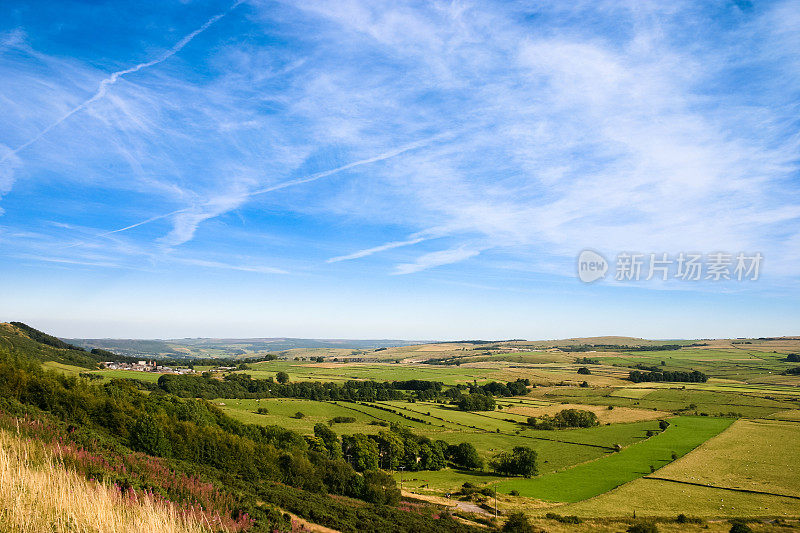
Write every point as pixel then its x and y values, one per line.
pixel 421 170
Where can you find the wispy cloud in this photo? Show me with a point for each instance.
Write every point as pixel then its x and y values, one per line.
pixel 227 266
pixel 376 249
pixel 67 261
pixel 436 259
pixel 186 221
pixel 636 131
pixel 107 82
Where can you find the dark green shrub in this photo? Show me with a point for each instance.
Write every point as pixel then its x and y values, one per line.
pixel 740 527
pixel 518 523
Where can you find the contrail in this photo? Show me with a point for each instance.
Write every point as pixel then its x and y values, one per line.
pixel 143 222
pixel 112 79
pixel 376 249
pixel 319 175
pixel 290 183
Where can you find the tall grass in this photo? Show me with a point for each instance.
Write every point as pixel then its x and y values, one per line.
pixel 38 494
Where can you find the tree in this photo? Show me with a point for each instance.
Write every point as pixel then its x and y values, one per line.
pixel 362 451
pixel 465 455
pixel 525 459
pixel 329 438
pixel 584 370
pixel 518 523
pixel 391 448
pixel 282 377
pixel 380 488
pixel 411 455
pixel 476 402
pixel 521 461
pixel 148 436
pixel 431 457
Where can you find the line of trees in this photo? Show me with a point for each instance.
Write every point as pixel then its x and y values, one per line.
pixel 494 388
pixel 666 375
pixel 243 386
pixel 622 347
pixel 566 418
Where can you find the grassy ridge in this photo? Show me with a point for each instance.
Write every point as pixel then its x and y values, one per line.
pixel 16 342
pixel 596 477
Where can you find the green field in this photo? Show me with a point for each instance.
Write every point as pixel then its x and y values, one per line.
pixel 69 370
pixel 596 477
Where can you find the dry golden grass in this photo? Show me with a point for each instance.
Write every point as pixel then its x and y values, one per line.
pixel 38 495
pixel 792 414
pixel 752 454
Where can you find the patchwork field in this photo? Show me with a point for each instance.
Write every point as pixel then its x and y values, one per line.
pixel 596 477
pixel 737 431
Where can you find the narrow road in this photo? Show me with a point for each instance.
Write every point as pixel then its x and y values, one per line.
pixel 467 507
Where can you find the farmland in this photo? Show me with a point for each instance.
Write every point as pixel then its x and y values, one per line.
pixel 596 477
pixel 723 435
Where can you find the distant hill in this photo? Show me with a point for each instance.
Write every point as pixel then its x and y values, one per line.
pixel 224 348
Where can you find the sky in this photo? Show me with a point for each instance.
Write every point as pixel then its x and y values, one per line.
pixel 391 169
